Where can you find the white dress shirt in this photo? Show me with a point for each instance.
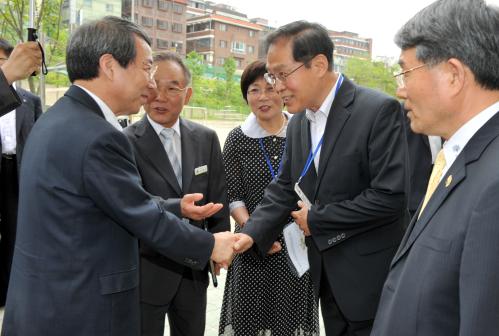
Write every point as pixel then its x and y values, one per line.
pixel 318 121
pixel 453 147
pixel 8 131
pixel 108 114
pixel 177 145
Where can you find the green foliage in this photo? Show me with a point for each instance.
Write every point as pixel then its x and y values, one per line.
pixel 375 75
pixel 14 19
pixel 194 62
pixel 230 69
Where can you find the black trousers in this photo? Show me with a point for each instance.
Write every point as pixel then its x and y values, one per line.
pixel 335 323
pixel 9 194
pixel 186 312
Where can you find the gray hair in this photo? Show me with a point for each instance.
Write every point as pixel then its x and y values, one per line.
pixel 109 35
pixel 467 30
pixel 173 57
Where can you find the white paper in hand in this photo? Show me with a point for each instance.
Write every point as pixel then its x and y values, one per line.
pixel 297 249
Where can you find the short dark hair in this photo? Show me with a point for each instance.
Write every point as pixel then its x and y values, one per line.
pixel 467 30
pixel 309 40
pixel 109 35
pixel 251 73
pixel 173 57
pixel 6 47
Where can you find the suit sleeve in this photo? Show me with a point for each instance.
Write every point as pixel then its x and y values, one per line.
pixel 38 107
pixel 112 181
pixel 479 274
pixel 9 99
pixel 385 199
pixel 217 190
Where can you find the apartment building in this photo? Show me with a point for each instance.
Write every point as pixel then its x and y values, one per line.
pixel 347 45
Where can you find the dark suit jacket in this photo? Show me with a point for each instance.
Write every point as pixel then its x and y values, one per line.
pixel 444 278
pixel 359 196
pixel 420 165
pixel 26 116
pixel 9 99
pixel 81 207
pixel 160 276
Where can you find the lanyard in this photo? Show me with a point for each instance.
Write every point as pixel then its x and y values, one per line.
pixel 313 153
pixel 267 159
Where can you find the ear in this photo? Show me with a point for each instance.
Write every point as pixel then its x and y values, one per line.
pixel 188 95
pixel 320 65
pixel 107 65
pixel 457 75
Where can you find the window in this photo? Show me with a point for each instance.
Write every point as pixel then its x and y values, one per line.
pixel 163 5
pixel 238 47
pixel 162 24
pixel 162 44
pixel 252 33
pixel 147 21
pixel 147 3
pixel 177 46
pixel 109 7
pixel 220 61
pixel 223 44
pixel 222 27
pixel 251 49
pixel 177 8
pixel 177 27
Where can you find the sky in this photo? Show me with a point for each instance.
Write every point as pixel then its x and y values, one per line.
pixel 376 19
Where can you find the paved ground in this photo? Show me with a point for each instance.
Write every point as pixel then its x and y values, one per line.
pixel 215 295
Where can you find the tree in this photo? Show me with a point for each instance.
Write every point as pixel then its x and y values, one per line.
pixel 375 75
pixel 194 62
pixel 230 69
pixel 14 21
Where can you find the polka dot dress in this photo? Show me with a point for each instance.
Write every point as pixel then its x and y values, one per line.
pixel 262 298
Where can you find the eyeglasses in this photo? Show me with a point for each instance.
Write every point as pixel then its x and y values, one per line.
pixel 281 76
pixel 150 69
pixel 169 90
pixel 402 76
pixel 257 92
pixel 4 58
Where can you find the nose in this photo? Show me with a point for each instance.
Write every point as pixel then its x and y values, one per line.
pixel 279 86
pixel 401 92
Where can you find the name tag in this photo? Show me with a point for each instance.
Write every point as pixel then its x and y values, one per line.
pixel 302 196
pixel 200 170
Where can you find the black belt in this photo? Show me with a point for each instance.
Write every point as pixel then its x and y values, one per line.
pixel 9 156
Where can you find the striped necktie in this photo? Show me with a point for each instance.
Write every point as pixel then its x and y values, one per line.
pixel 166 136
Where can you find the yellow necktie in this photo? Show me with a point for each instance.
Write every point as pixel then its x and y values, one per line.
pixel 436 174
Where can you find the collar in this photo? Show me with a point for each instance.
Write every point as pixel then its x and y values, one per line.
pixel 456 143
pixel 252 129
pixel 158 128
pixel 326 104
pixel 108 114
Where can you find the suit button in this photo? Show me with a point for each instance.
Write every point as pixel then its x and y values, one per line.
pixel 343 235
pixel 338 237
pixel 334 240
pixel 330 241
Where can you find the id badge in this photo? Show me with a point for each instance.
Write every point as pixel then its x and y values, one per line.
pixel 302 196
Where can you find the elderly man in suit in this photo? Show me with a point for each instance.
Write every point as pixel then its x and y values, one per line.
pixel 346 155
pixel 82 206
pixel 444 277
pixel 14 129
pixel 188 160
pixel 26 59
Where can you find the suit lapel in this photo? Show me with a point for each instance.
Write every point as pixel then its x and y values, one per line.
pixel 188 143
pixel 470 153
pixel 306 143
pixel 151 146
pixel 338 116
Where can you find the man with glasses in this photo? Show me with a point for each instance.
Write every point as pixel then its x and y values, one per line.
pixel 444 278
pixel 176 156
pixel 345 168
pixel 82 206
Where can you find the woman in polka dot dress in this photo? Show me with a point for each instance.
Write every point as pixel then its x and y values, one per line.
pixel 262 297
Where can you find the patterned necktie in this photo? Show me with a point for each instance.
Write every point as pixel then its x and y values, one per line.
pixel 166 136
pixel 436 174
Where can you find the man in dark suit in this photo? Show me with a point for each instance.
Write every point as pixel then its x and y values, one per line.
pixel 14 129
pixel 356 181
pixel 444 278
pixel 167 287
pixel 26 59
pixel 82 206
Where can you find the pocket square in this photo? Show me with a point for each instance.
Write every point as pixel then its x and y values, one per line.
pixel 200 170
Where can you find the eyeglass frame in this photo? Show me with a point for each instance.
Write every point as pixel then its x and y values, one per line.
pixel 178 90
pixel 400 77
pixel 258 92
pixel 271 79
